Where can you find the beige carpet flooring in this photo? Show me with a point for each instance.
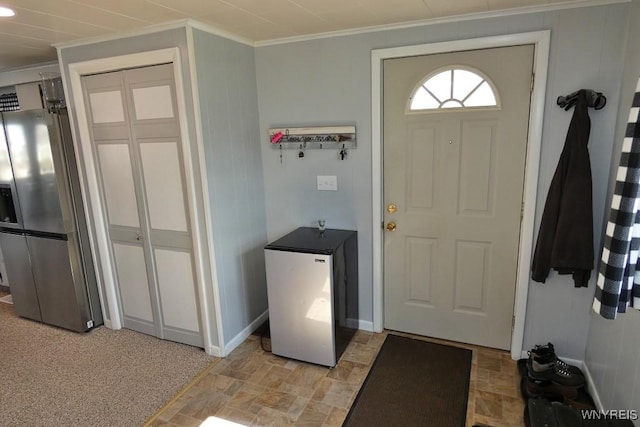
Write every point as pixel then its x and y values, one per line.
pixel 53 377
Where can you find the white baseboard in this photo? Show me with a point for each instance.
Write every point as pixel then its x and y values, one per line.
pixel 239 339
pixel 591 387
pixel 213 350
pixel 363 325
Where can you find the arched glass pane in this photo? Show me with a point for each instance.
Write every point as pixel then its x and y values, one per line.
pixel 464 82
pixel 422 100
pixel 452 103
pixel 454 88
pixel 440 85
pixel 482 97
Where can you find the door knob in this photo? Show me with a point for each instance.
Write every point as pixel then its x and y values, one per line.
pixel 391 226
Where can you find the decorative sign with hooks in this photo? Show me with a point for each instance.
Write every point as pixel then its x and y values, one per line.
pixel 339 137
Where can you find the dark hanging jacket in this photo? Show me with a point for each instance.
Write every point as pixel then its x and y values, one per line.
pixel 565 239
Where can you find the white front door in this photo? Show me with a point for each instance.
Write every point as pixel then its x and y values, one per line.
pixel 453 185
pixel 137 146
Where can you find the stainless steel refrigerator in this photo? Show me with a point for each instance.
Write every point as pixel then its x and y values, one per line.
pixel 43 232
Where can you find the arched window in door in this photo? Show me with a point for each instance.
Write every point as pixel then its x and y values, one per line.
pixel 452 87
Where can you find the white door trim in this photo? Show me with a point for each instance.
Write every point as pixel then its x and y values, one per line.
pixel 204 266
pixel 541 41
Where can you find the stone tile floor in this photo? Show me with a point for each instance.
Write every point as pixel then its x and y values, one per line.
pixel 252 387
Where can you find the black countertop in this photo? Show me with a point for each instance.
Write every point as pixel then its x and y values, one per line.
pixel 311 240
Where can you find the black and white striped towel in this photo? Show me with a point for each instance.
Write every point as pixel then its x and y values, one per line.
pixel 618 284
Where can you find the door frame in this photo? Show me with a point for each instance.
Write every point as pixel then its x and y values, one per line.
pixel 197 194
pixel 541 42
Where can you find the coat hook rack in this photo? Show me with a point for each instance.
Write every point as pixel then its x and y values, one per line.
pixel 326 137
pixel 596 100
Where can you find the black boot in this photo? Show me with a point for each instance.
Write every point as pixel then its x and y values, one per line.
pixel 547 351
pixel 546 369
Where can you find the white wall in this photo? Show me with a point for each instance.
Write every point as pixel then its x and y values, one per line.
pixel 613 349
pixel 229 113
pixel 328 81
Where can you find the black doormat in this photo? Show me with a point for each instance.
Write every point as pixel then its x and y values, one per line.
pixel 414 383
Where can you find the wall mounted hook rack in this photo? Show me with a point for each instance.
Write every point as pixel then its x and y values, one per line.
pixel 330 137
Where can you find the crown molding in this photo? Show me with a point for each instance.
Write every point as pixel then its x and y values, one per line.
pixel 572 4
pixel 151 29
pixel 211 29
pixel 27 74
pixel 171 25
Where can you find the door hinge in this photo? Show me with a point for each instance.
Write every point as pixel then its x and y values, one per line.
pixel 521 211
pixel 513 322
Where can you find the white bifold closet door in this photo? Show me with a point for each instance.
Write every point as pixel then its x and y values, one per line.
pixel 137 149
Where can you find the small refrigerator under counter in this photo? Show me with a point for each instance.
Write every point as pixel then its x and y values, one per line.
pixel 312 287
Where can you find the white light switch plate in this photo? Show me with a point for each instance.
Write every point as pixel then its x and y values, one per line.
pixel 327 183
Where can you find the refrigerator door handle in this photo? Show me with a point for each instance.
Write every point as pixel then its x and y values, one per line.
pixel 46 235
pixel 11 231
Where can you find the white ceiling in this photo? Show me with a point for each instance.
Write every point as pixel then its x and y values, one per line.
pixel 26 38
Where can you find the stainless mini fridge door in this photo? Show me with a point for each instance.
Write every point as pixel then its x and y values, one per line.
pixel 301 319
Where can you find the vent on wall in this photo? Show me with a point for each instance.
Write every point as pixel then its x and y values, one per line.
pixel 9 102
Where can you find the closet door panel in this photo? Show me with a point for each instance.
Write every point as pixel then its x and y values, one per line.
pixel 117 180
pixel 175 280
pixel 153 102
pixel 163 186
pixel 106 107
pixel 157 138
pixel 133 282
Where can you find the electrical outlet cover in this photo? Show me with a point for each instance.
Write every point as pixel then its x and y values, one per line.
pixel 327 183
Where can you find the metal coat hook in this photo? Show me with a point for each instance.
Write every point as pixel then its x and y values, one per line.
pixel 596 100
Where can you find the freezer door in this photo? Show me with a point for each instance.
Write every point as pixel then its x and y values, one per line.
pixel 23 288
pixel 300 292
pixel 59 281
pixel 39 171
